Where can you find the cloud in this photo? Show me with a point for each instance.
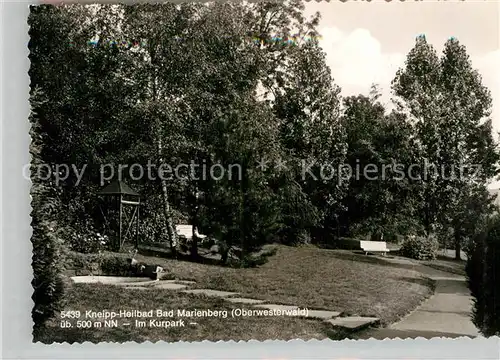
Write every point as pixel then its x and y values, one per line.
pixel 488 66
pixel 357 61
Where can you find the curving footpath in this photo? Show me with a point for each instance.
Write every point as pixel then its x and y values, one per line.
pixel 447 313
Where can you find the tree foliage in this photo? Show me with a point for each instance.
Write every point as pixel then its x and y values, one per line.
pixel 243 91
pixel 379 199
pixel 449 109
pixel 48 247
pixel 177 84
pixel 483 273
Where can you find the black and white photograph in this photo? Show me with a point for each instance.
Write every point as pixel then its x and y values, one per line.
pixel 272 170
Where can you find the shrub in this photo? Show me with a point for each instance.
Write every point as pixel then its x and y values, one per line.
pixel 48 285
pixel 152 230
pixel 85 239
pixel 113 264
pixel 108 264
pixel 48 248
pixel 116 266
pixel 255 259
pixel 483 273
pixel 420 247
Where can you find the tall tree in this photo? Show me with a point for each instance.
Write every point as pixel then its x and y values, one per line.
pixel 231 127
pixel 86 119
pixel 307 104
pixel 450 108
pixel 468 145
pixel 418 96
pixel 379 200
pixel 162 66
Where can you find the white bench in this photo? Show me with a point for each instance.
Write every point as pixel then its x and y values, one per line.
pixel 187 232
pixel 374 247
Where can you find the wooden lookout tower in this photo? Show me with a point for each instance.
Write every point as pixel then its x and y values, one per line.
pixel 127 201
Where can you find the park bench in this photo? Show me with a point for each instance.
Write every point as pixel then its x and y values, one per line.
pixel 374 247
pixel 187 232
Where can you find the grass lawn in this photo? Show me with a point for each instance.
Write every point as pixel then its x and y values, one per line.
pixel 317 278
pixel 98 297
pixel 446 264
pixel 304 276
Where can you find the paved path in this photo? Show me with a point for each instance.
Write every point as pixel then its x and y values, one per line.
pixel 446 313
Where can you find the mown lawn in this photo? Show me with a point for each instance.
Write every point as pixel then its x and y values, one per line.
pixel 98 297
pixel 305 276
pixel 453 266
pixel 317 278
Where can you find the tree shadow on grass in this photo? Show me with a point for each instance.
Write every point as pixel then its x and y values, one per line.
pixel 206 257
pixel 419 281
pixel 451 260
pixel 456 267
pixel 167 254
pixel 361 257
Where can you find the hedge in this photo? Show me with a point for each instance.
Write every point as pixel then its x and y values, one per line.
pixel 47 263
pixel 106 263
pixel 483 273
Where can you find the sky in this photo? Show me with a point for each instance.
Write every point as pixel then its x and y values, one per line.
pixel 367 42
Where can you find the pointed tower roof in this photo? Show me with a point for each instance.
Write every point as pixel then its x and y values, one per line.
pixel 118 187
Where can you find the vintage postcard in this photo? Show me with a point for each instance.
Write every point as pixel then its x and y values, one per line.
pixel 264 171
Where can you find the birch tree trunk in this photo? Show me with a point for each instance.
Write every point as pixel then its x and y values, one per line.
pixel 194 222
pixel 458 246
pixel 172 234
